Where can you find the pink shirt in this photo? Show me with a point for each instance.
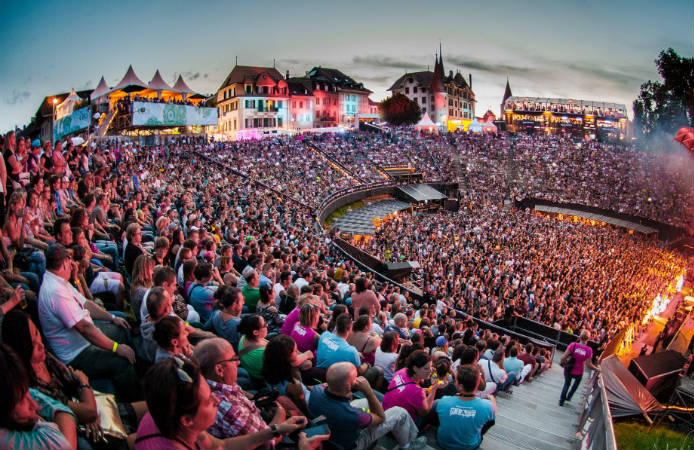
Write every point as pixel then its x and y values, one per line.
pixel 404 392
pixel 149 437
pixel 581 354
pixel 291 320
pixel 304 338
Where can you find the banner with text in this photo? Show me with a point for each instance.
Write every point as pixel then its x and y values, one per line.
pixel 76 121
pixel 153 114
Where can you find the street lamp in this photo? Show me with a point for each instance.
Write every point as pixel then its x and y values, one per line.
pixel 54 101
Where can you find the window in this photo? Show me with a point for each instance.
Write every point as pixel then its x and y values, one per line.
pixel 407 90
pixel 234 124
pixel 248 89
pixel 424 110
pixel 293 103
pixel 256 122
pixel 234 93
pixel 424 89
pixel 301 104
pixel 414 90
pixel 279 122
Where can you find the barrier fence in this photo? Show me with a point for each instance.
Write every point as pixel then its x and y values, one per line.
pixel 595 427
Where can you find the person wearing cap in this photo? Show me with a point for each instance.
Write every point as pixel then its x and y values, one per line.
pixel 34 162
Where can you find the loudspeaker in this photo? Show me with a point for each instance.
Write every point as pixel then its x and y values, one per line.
pixel 659 373
pixel 451 204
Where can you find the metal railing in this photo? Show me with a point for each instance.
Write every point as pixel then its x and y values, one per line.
pixel 596 431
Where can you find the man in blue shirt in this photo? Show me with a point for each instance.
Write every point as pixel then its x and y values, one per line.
pixel 464 418
pixel 201 294
pixel 514 365
pixel 333 348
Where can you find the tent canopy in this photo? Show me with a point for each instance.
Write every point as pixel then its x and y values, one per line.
pixel 66 107
pixel 101 89
pixel 474 127
pixel 425 121
pixel 158 83
pixel 130 82
pixel 182 87
pixel 625 394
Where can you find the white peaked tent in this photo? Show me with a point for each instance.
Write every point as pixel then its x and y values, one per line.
pixel 130 82
pixel 101 89
pixel 182 87
pixel 474 127
pixel 158 83
pixel 66 107
pixel 425 124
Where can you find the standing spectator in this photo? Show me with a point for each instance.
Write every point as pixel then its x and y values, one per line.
pixel 387 354
pixel 364 297
pixel 582 355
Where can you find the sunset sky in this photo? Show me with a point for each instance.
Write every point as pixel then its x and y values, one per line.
pixel 592 50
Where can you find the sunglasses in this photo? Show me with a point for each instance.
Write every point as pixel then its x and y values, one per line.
pixel 235 359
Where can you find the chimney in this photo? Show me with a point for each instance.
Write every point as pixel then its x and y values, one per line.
pixel 450 74
pixel 470 78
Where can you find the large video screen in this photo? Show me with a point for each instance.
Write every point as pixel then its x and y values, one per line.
pixel 152 114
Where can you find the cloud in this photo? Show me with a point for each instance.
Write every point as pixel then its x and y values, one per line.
pixel 485 66
pixel 385 61
pixel 191 75
pixel 17 97
pixel 613 75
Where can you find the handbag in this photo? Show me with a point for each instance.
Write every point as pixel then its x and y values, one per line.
pixel 568 362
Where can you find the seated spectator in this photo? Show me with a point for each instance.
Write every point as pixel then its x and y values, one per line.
pixel 28 418
pixel 251 293
pixel 159 306
pixel 266 307
pixel 464 418
pixel 387 354
pixel 141 281
pixel 360 423
pixel 224 322
pixel 360 339
pixel 237 416
pixel 404 389
pixel 201 291
pixel 66 318
pixel 171 335
pixel 399 326
pixel 60 382
pixel 513 365
pixel 281 370
pixel 334 348
pixel 470 358
pixel 133 249
pixel 527 357
pixel 252 344
pixel 304 332
pixel 494 371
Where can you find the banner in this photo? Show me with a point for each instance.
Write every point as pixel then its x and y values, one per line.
pixel 152 114
pixel 76 121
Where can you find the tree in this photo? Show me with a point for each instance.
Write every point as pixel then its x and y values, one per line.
pixel 400 110
pixel 668 105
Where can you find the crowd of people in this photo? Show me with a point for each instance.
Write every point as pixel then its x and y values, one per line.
pixel 185 290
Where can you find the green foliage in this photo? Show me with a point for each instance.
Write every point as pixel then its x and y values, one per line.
pixel 635 436
pixel 342 211
pixel 668 105
pixel 400 110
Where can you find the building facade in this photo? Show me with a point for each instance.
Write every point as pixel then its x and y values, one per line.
pixel 253 101
pixel 448 99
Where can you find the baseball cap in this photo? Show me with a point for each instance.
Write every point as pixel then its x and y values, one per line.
pixel 441 341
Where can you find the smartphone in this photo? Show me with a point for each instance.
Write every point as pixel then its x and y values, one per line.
pixel 317 431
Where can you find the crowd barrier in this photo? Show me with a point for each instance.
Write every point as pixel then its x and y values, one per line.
pixel 596 431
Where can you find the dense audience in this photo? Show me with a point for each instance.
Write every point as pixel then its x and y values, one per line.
pixel 184 291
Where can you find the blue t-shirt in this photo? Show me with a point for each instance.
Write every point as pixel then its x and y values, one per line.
pixel 226 330
pixel 513 365
pixel 332 349
pixel 344 420
pixel 461 422
pixel 202 299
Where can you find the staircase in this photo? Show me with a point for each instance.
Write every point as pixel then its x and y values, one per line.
pixel 105 123
pixel 530 418
pixel 337 165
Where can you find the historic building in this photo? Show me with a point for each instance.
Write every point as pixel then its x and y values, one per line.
pixel 253 101
pixel 448 99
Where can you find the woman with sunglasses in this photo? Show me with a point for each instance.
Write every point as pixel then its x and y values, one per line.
pixel 181 409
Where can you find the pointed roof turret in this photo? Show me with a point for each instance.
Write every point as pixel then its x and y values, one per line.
pixel 130 82
pixel 507 92
pixel 101 89
pixel 437 79
pixel 182 87
pixel 158 83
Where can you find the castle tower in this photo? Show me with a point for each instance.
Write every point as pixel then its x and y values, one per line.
pixel 438 89
pixel 507 94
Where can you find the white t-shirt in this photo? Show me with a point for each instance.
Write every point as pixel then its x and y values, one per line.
pixel 61 306
pixel 385 361
pixel 497 375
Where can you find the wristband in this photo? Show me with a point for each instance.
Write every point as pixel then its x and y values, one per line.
pixel 275 431
pixel 115 347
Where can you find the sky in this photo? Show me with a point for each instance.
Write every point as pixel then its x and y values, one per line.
pixel 582 49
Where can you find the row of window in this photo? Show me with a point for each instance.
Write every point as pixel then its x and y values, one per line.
pixel 264 122
pixel 457 104
pixel 414 89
